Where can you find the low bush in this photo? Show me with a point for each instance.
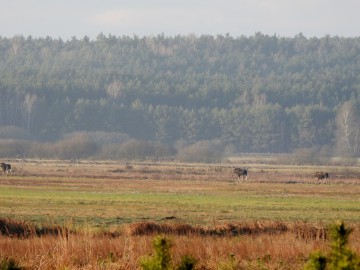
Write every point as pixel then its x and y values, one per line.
pixel 202 151
pixel 161 260
pixel 9 264
pixel 340 255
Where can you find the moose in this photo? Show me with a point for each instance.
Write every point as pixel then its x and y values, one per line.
pixel 5 167
pixel 322 176
pixel 240 172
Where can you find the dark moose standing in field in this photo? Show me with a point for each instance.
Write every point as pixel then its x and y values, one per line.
pixel 5 167
pixel 322 176
pixel 240 172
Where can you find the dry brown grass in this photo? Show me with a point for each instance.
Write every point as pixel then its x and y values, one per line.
pixel 251 245
pixel 258 172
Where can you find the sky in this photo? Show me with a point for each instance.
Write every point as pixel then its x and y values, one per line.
pixel 79 18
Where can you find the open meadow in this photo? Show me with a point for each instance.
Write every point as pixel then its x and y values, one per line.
pixel 105 214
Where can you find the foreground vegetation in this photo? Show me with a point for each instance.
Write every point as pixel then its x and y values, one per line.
pixel 105 215
pixel 256 245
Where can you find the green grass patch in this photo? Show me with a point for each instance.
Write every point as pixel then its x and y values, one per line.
pixel 187 201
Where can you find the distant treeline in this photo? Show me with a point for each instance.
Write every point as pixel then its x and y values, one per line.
pixel 253 94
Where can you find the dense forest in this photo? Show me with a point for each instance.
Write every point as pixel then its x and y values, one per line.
pixel 248 94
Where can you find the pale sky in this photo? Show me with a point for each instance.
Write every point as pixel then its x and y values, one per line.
pixel 79 18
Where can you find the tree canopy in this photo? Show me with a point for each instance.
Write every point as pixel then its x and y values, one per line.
pixel 257 93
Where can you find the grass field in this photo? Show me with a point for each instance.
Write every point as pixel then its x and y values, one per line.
pixel 92 197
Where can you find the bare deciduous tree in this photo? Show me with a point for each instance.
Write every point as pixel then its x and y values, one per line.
pixel 28 105
pixel 348 129
pixel 115 89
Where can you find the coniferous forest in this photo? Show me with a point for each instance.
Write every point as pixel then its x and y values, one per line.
pixel 160 95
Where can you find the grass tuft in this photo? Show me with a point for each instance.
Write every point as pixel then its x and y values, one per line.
pixel 22 229
pixel 301 230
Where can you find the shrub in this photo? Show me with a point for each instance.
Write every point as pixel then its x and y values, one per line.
pixel 76 145
pixel 72 146
pixel 14 148
pixel 161 260
pixel 187 263
pixel 202 151
pixel 9 264
pixel 340 256
pixel 136 149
